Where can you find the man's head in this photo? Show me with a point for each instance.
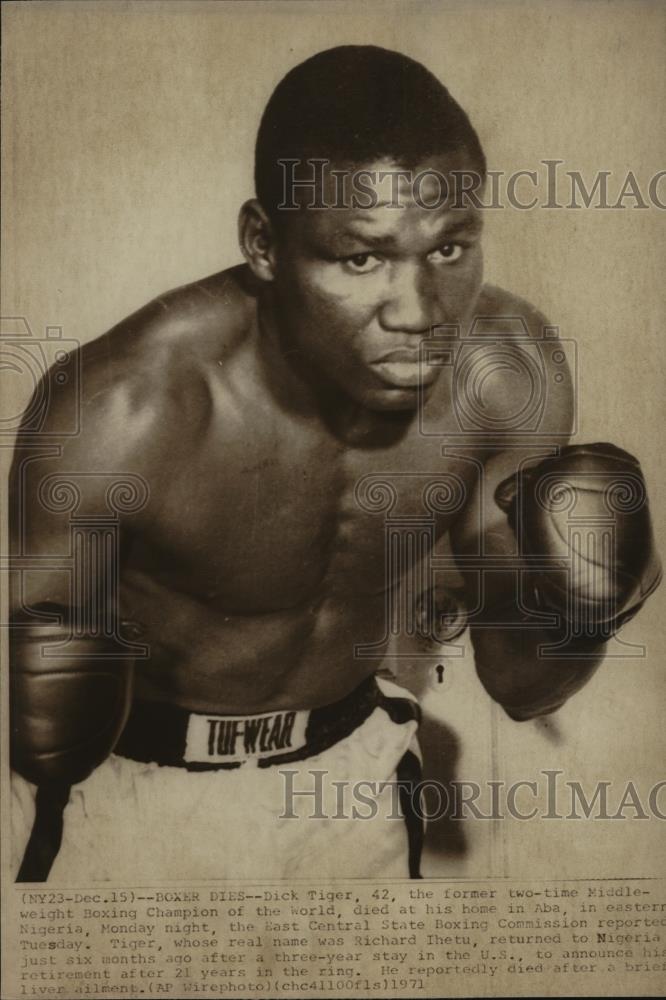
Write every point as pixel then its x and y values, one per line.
pixel 357 104
pixel 365 260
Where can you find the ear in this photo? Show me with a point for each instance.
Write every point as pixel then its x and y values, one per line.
pixel 256 236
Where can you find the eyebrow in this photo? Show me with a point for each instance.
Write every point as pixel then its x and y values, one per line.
pixel 350 236
pixel 470 224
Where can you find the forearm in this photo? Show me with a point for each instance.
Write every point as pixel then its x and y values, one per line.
pixel 576 545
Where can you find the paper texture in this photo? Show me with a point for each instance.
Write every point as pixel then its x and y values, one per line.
pixel 129 131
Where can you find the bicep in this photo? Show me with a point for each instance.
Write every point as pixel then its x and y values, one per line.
pixel 63 528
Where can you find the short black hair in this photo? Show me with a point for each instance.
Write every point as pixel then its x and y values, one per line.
pixel 355 104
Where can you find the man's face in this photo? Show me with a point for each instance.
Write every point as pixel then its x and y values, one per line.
pixel 359 288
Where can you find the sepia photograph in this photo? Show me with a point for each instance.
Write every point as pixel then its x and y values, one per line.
pixel 332 372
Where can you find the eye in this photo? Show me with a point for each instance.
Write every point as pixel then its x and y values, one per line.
pixel 361 263
pixel 449 253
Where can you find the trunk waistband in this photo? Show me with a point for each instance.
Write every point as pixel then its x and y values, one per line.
pixel 203 741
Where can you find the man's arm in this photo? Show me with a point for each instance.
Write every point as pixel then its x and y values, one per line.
pixel 507 655
pixel 539 540
pixel 72 496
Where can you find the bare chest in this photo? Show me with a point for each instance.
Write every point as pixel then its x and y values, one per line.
pixel 293 515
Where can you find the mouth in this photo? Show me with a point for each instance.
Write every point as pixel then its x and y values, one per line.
pixel 405 369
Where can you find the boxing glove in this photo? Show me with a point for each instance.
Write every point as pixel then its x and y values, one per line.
pixel 70 697
pixel 583 526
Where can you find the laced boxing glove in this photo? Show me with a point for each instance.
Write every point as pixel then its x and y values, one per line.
pixel 583 524
pixel 70 697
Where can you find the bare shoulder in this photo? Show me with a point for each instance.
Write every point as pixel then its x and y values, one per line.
pixel 170 343
pixel 499 303
pixel 516 390
pixel 522 381
pixel 148 378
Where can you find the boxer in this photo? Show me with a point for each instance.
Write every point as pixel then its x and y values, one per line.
pixel 252 404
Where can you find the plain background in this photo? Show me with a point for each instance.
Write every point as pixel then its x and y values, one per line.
pixel 128 138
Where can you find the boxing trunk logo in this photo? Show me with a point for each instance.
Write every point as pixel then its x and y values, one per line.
pixel 235 738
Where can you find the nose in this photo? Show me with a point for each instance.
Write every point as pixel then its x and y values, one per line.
pixel 409 303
